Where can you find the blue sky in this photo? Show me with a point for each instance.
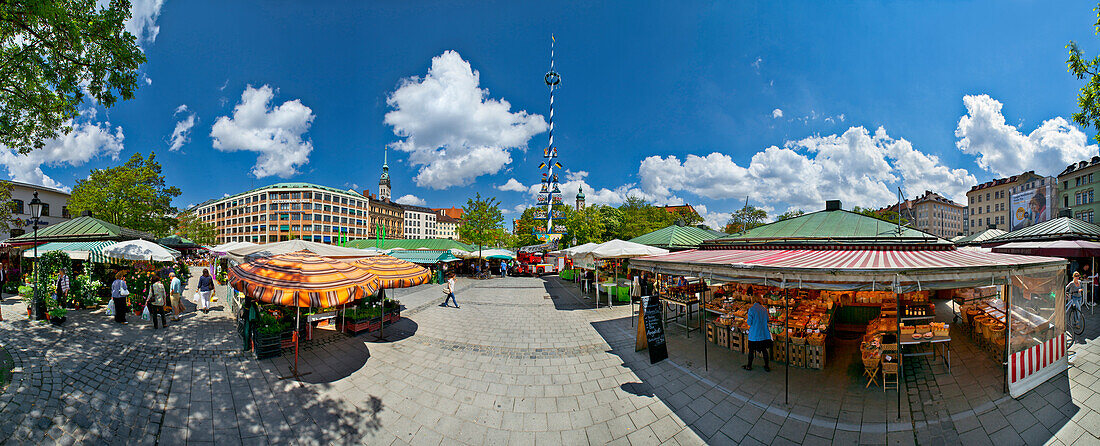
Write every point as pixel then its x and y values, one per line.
pixel 675 101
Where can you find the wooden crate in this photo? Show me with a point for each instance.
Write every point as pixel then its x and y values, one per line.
pixel 738 341
pixel 712 334
pixel 779 352
pixel 815 357
pixel 723 335
pixel 798 355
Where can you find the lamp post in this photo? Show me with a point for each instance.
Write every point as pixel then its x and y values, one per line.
pixel 36 302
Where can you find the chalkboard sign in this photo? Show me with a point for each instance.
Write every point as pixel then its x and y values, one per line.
pixel 654 331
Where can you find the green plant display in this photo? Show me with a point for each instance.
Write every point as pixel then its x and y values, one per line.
pixel 361 313
pixel 86 290
pixel 183 272
pixel 268 325
pixel 57 312
pixel 49 267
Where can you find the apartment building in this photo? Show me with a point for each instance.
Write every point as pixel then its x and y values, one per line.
pixel 1032 202
pixel 286 211
pixel 989 202
pixel 447 227
pixel 420 222
pixel 385 217
pixel 1077 183
pixel 932 213
pixel 54 208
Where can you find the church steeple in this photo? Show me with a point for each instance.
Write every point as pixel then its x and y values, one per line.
pixel 580 197
pixel 384 182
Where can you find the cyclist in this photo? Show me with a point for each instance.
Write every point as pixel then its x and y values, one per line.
pixel 1075 291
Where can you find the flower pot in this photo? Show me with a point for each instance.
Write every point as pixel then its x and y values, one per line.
pixel 58 320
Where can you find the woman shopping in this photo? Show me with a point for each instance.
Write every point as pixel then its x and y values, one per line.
pixel 118 296
pixel 155 303
pixel 206 291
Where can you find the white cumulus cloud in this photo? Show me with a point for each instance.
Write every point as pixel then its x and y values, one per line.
pixel 1003 150
pixel 777 113
pixel 857 167
pixel 182 133
pixel 143 18
pixel 412 200
pixel 452 129
pixel 275 133
pixel 512 185
pixel 85 141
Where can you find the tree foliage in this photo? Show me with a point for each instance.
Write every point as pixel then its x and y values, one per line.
pixel 746 218
pixel 481 221
pixel 586 226
pixel 640 217
pixel 133 195
pixel 52 55
pixel 890 216
pixel 190 226
pixel 789 214
pixel 7 217
pixel 1088 98
pixel 525 227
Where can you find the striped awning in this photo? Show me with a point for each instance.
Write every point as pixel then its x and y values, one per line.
pixel 932 268
pixel 302 279
pixel 92 251
pixel 393 272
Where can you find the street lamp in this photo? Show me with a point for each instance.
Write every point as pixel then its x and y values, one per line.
pixel 36 213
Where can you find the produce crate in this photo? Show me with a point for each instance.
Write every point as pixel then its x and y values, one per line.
pixel 712 335
pixel 798 355
pixel 738 341
pixel 357 326
pixel 723 335
pixel 268 346
pixel 779 352
pixel 815 357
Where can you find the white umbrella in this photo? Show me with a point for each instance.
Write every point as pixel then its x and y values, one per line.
pixel 484 254
pixel 139 250
pixel 572 252
pixel 618 249
pixel 226 247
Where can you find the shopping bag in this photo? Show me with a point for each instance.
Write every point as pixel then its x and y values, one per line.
pixel 213 298
pixel 145 313
pixel 111 308
pixel 195 298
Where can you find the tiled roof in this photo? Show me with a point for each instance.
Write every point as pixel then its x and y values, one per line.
pixel 1062 228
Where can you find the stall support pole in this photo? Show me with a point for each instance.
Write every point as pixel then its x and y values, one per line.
pixel 294 373
pixel 897 333
pixel 597 286
pixel 1008 331
pixel 787 345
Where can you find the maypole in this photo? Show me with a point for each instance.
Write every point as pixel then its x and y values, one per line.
pixel 550 193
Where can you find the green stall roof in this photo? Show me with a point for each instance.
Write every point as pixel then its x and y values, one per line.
pixel 423 256
pixel 82 229
pixel 1062 228
pixel 978 237
pixel 677 237
pixel 830 227
pixel 428 243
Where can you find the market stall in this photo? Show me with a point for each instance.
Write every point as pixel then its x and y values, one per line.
pixel 609 256
pixel 863 263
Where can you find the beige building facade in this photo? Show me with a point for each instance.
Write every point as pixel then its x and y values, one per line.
pixel 988 203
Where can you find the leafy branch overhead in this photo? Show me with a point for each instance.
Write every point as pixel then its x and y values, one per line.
pixel 53 56
pixel 133 195
pixel 481 221
pixel 1088 99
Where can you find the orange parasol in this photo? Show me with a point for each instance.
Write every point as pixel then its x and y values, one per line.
pixel 302 279
pixel 393 272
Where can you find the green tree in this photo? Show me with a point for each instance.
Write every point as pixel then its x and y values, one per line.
pixel 689 218
pixel 52 55
pixel 1088 99
pixel 612 221
pixel 481 221
pixel 190 226
pixel 890 216
pixel 133 195
pixel 6 212
pixel 789 214
pixel 641 217
pixel 746 218
pixel 585 226
pixel 525 229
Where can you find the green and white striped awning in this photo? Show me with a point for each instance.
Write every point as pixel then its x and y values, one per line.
pixel 92 251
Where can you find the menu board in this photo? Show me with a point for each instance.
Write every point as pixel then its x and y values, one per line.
pixel 654 331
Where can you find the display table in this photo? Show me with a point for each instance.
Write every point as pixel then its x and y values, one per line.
pixel 683 309
pixel 943 341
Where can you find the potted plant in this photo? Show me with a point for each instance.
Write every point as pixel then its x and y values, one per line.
pixel 56 315
pixel 393 310
pixel 267 340
pixel 363 318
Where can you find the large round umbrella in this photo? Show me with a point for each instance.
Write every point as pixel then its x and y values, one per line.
pixel 140 250
pixel 393 272
pixel 302 279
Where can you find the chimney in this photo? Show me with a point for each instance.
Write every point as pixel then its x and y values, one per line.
pixel 86 214
pixel 992 227
pixel 1065 213
pixel 832 205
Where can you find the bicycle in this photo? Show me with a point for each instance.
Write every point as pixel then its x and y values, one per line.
pixel 1075 321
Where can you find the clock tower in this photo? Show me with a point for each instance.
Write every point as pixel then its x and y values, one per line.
pixel 384 182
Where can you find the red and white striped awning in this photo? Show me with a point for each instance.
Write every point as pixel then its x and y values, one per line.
pixel 854 266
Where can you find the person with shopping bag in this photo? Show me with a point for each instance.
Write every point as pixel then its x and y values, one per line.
pixel 154 303
pixel 206 291
pixel 118 296
pixel 175 294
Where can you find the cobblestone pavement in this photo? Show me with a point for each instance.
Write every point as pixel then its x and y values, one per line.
pixel 522 361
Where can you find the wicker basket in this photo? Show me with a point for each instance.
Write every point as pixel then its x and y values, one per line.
pixel 871 359
pixel 817 339
pixel 997 333
pixel 798 340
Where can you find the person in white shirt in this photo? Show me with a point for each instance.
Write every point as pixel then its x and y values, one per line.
pixel 449 290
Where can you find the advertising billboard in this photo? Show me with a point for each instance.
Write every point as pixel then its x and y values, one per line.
pixel 1030 207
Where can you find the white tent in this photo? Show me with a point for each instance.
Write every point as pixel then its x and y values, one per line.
pixel 140 250
pixel 572 252
pixel 614 249
pixel 250 252
pixel 226 247
pixel 487 253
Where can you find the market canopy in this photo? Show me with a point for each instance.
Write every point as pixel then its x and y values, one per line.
pixel 978 237
pixel 677 237
pixel 424 257
pixel 579 249
pixel 178 242
pixel 427 243
pixel 621 249
pixel 81 229
pixel 1062 228
pixel 494 254
pixel 1052 248
pixel 393 272
pixel 302 279
pixel 834 227
pixel 92 251
pixel 321 249
pixel 226 247
pixel 850 268
pixel 140 250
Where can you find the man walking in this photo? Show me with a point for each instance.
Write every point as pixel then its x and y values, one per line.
pixel 449 290
pixel 63 287
pixel 175 288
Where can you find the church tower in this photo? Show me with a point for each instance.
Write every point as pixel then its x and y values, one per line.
pixel 384 182
pixel 580 198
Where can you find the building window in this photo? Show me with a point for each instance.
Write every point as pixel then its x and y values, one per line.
pixel 17 206
pixel 45 209
pixel 65 212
